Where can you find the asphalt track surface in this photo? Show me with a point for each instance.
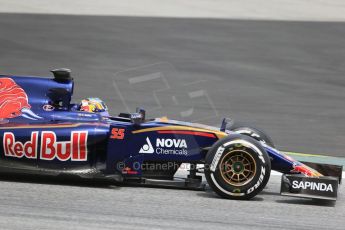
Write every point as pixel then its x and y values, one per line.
pixel 285 77
pixel 42 205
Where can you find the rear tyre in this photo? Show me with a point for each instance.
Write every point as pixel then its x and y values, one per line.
pixel 237 167
pixel 253 132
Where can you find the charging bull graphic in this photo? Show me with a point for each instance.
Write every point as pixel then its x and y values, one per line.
pixel 14 101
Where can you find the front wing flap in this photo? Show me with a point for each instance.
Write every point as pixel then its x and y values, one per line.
pixel 327 169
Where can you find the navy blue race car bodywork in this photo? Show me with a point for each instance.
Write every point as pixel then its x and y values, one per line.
pixel 43 132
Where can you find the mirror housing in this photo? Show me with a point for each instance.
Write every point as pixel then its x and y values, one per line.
pixel 227 123
pixel 138 117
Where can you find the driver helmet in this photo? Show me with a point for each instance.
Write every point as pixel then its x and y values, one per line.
pixel 94 105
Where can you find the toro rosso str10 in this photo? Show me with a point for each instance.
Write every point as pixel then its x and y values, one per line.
pixel 42 132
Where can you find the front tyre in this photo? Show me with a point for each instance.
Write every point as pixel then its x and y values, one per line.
pixel 237 167
pixel 250 131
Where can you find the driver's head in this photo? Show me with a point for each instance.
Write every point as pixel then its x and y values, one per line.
pixel 94 105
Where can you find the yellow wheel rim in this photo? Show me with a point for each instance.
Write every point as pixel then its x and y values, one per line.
pixel 237 167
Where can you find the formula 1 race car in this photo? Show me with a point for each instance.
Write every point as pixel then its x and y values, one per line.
pixel 44 133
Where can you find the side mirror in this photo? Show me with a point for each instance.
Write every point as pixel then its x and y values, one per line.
pixel 138 117
pixel 226 124
pixel 142 112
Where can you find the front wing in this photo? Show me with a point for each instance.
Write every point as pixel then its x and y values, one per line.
pixel 324 187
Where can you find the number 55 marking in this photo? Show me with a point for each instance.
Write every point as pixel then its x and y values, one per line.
pixel 117 133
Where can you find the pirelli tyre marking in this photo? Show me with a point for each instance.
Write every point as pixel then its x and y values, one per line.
pixel 216 158
pixel 261 178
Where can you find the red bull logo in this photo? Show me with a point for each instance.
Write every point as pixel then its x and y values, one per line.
pixel 14 101
pixel 75 149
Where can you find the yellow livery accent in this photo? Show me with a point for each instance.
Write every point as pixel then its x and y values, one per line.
pixel 219 134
